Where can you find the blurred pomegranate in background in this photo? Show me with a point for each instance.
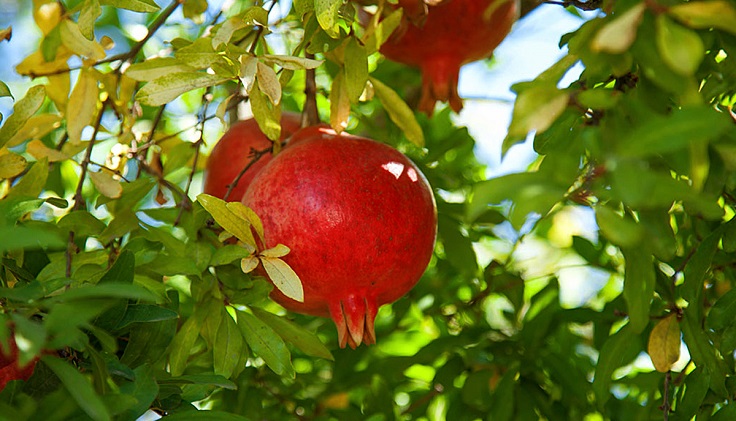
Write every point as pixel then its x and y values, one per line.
pixel 440 38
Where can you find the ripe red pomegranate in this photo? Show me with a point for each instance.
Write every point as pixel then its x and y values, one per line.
pixel 234 151
pixel 9 368
pixel 454 33
pixel 360 220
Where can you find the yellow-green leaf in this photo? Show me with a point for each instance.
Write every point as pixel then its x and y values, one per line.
pixel 681 48
pixel 39 150
pixel 33 181
pixel 22 111
pixel 327 15
pixel 399 112
pixel 267 115
pixel 156 67
pixel 6 34
pixel 268 82
pixel 279 251
pixel 74 40
pixel 339 104
pixel 226 30
pixel 356 69
pixel 284 278
pixel 719 14
pixel 88 15
pixel 143 6
pixel 376 35
pixel 247 264
pixel 58 88
pixel 664 343
pixel 535 109
pixel 231 222
pixel 168 87
pixel 247 214
pixel 5 90
pixel 11 164
pixel 248 69
pixel 106 184
pixel 617 36
pixel 291 62
pixel 36 127
pixel 82 106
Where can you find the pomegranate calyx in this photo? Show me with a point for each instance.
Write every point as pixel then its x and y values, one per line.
pixel 354 318
pixel 439 83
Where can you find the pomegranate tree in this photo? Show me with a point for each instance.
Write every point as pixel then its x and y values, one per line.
pixel 360 220
pixel 234 151
pixel 10 368
pixel 453 33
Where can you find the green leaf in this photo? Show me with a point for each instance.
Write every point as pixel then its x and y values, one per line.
pixel 697 267
pixel 201 379
pixel 79 388
pixel 399 112
pixel 619 349
pixel 143 6
pixel 231 222
pixel 681 48
pixel 266 344
pixel 205 416
pixel 22 111
pixel 702 351
pixel 144 389
pixel 168 87
pixel 696 387
pixel 122 271
pixel 294 334
pixel 535 109
pixel 327 12
pixel 106 290
pixel 20 237
pixel 268 82
pixel 283 277
pixel 356 69
pixel 200 54
pixel 228 254
pixel 668 134
pixel 181 345
pixel 228 346
pixel 146 313
pixel 82 224
pixel 623 232
pixel 376 36
pixel 638 287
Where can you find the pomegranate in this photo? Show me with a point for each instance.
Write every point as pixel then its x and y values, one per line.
pixel 9 367
pixel 453 33
pixel 360 220
pixel 234 151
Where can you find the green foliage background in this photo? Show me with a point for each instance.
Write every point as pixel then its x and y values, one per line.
pixel 114 274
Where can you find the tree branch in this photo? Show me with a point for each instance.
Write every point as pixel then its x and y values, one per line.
pixel 79 202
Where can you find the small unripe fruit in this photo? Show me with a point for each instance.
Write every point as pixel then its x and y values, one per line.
pixel 360 220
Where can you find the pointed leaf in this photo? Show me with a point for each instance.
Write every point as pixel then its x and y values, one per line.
pixel 249 263
pixel 284 278
pixel 74 40
pixel 356 69
pixel 535 109
pixel 266 344
pixel 168 87
pixel 82 105
pixel 268 82
pixel 157 67
pixel 228 346
pixel 294 334
pixel 682 49
pixel 79 388
pixel 618 34
pixel 327 12
pixel 143 6
pixel 638 287
pixel 279 251
pixel 106 184
pixel 22 111
pixel 291 62
pixel 339 104
pixel 11 164
pixel 719 14
pixel 399 112
pixel 228 220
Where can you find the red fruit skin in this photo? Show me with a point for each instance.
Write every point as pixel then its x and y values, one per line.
pixel 360 220
pixel 234 151
pixel 454 33
pixel 9 367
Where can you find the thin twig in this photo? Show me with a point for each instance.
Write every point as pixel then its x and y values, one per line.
pixel 310 116
pixel 257 154
pixel 666 397
pixel 79 202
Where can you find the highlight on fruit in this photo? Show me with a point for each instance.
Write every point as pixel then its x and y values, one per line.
pixel 440 37
pixel 360 221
